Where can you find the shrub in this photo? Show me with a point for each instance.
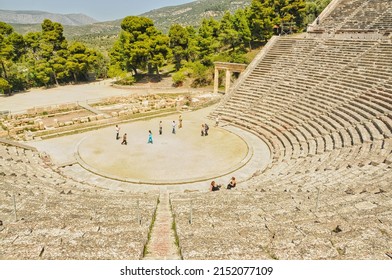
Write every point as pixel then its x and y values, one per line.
pixel 4 85
pixel 127 81
pixel 201 74
pixel 178 78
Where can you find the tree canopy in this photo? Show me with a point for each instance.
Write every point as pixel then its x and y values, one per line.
pixel 140 46
pixel 46 58
pixel 43 58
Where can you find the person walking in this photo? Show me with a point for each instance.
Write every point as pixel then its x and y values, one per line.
pixel 180 122
pixel 124 142
pixel 160 128
pixel 117 132
pixel 217 121
pixel 149 137
pixel 202 129
pixel 174 127
pixel 206 128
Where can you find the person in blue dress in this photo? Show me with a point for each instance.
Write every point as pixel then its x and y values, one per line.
pixel 149 137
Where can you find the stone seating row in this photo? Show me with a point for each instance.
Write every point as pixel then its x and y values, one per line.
pixel 367 16
pixel 316 136
pixel 58 218
pixel 359 15
pixel 276 218
pixel 257 79
pixel 305 141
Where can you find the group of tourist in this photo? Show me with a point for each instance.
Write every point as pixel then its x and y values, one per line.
pixel 204 130
pixel 215 187
pixel 150 140
pixel 124 141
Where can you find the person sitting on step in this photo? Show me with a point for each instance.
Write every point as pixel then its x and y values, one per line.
pixel 214 187
pixel 232 183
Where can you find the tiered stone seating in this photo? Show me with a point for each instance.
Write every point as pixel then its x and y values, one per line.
pixel 60 219
pixel 289 221
pixel 351 15
pixel 336 111
pixel 344 9
pixel 370 15
pixel 323 106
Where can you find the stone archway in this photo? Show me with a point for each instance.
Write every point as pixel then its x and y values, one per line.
pixel 229 68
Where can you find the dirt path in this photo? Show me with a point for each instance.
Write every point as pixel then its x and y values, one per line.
pixel 38 97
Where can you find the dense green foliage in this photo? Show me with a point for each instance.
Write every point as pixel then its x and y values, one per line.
pixel 140 46
pixel 46 58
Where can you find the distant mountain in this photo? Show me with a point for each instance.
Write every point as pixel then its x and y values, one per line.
pixel 192 13
pixel 37 17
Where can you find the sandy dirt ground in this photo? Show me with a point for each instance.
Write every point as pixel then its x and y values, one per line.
pixel 37 97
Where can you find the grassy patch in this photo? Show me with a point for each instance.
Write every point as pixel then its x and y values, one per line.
pixel 174 229
pixel 154 216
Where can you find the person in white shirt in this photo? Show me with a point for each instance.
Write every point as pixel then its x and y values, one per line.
pixel 174 127
pixel 117 132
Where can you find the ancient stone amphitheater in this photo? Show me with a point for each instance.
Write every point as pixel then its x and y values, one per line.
pixel 321 101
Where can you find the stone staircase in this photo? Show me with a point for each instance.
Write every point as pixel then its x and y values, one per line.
pixel 162 243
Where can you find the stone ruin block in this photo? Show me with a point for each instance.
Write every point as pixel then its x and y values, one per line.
pixel 61 124
pixel 55 123
pixel 41 125
pixel 16 123
pixel 84 120
pixel 8 125
pixel 171 104
pixel 92 118
pixel 76 120
pixel 114 114
pixel 124 112
pixel 68 123
pixel 100 117
pixel 3 134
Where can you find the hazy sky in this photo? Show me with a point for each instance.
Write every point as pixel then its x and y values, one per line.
pixel 98 9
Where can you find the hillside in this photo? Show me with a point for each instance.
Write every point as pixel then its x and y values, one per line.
pixel 36 17
pixel 186 14
pixel 99 35
pixel 103 34
pixel 192 13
